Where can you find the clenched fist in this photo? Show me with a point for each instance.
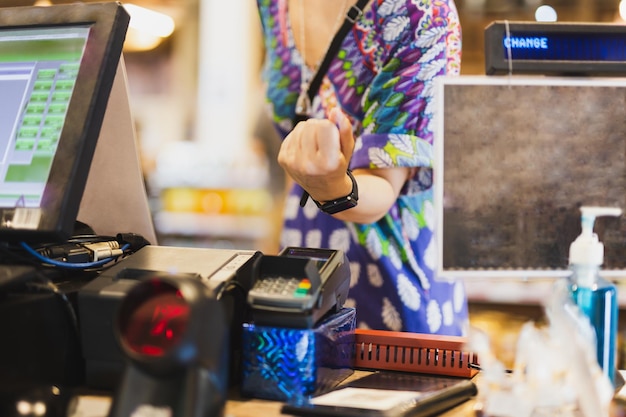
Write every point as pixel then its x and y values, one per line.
pixel 316 154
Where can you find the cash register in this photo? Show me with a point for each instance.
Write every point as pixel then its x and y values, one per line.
pixel 57 69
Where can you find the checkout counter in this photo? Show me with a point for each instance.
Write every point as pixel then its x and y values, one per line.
pixel 120 362
pixel 236 406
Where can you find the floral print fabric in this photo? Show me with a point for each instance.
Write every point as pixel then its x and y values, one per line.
pixel 383 80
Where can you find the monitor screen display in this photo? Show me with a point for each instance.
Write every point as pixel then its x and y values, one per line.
pixel 38 69
pixel 57 66
pixel 516 158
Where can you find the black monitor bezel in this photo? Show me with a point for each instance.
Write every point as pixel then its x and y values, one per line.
pixel 85 113
pixel 496 62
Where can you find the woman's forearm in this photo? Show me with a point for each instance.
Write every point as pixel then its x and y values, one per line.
pixel 378 191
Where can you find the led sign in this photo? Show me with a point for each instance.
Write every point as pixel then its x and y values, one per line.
pixel 526 42
pixel 555 48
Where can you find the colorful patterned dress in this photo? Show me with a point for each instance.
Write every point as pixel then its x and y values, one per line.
pixel 382 78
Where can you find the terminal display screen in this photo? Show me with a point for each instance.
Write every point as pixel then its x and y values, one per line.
pixel 318 255
pixel 38 69
pixel 57 66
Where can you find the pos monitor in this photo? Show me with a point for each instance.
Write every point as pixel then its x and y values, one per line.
pixel 57 67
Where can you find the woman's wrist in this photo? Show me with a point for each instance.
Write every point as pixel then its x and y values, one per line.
pixel 332 193
pixel 346 201
pixel 336 201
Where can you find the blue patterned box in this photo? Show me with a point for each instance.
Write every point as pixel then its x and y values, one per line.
pixel 291 365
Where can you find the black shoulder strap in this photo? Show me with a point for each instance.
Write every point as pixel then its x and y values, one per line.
pixel 352 16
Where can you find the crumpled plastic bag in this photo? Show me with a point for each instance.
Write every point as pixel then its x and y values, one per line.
pixel 556 372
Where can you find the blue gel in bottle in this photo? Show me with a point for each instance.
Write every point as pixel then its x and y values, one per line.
pixel 599 303
pixel 595 296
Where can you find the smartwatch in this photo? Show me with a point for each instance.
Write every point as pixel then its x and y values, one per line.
pixel 343 203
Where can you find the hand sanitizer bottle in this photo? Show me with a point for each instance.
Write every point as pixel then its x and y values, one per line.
pixel 595 296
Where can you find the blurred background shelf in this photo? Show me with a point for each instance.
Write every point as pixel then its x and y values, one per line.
pixel 191 224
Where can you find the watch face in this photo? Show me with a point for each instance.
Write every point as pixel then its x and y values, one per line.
pixel 343 203
pixel 339 205
pixel 157 323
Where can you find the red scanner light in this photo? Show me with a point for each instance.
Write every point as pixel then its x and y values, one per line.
pixel 157 323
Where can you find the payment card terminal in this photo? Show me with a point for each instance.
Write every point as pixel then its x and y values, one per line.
pixel 299 286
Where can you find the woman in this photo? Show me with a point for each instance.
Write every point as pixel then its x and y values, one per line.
pixel 370 130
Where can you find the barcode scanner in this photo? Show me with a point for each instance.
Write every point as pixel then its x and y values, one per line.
pixel 173 333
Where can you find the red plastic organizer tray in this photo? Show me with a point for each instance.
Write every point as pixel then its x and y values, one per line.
pixel 413 352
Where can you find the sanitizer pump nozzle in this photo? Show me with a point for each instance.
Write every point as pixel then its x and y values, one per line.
pixel 595 296
pixel 587 249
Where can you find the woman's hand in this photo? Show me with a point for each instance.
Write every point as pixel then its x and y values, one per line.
pixel 316 154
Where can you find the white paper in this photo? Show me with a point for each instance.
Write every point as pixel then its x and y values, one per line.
pixel 365 398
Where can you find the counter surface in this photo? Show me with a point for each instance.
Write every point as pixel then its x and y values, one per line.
pixel 238 407
pixel 247 407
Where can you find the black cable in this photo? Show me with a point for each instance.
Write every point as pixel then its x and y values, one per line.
pixel 228 285
pixel 479 368
pixel 41 282
pixel 75 253
pixel 94 265
pixel 135 241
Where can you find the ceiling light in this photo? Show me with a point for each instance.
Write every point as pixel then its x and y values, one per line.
pixel 150 21
pixel 622 10
pixel 137 40
pixel 545 14
pixel 147 28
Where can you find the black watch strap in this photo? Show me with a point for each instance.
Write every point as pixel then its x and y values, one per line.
pixel 343 203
